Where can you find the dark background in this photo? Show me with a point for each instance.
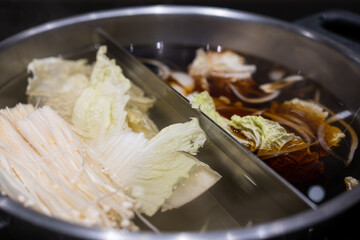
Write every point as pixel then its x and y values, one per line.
pixel 19 15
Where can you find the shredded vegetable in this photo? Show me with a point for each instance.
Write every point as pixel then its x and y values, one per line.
pixel 86 151
pixel 45 165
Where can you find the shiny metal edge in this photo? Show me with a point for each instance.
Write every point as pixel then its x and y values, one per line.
pixel 182 10
pixel 276 228
pixel 273 229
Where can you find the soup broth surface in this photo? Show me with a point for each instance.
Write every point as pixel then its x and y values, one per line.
pixel 325 186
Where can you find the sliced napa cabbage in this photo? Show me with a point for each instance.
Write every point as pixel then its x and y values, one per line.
pixel 57 83
pixel 137 117
pixel 263 134
pixel 255 132
pixel 205 103
pixel 155 170
pixel 151 170
pixel 200 66
pixel 100 108
pixel 111 102
pixel 138 99
pixel 109 154
pixel 140 122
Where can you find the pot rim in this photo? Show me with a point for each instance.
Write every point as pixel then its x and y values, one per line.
pixel 287 225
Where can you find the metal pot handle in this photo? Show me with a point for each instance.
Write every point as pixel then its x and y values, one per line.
pixel 342 26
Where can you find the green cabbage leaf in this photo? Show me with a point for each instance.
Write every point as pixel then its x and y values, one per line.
pixel 154 168
pixel 254 132
pixel 156 171
pixel 205 103
pixel 264 135
pixel 57 83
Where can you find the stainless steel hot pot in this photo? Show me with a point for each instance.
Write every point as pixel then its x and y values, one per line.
pixel 278 210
